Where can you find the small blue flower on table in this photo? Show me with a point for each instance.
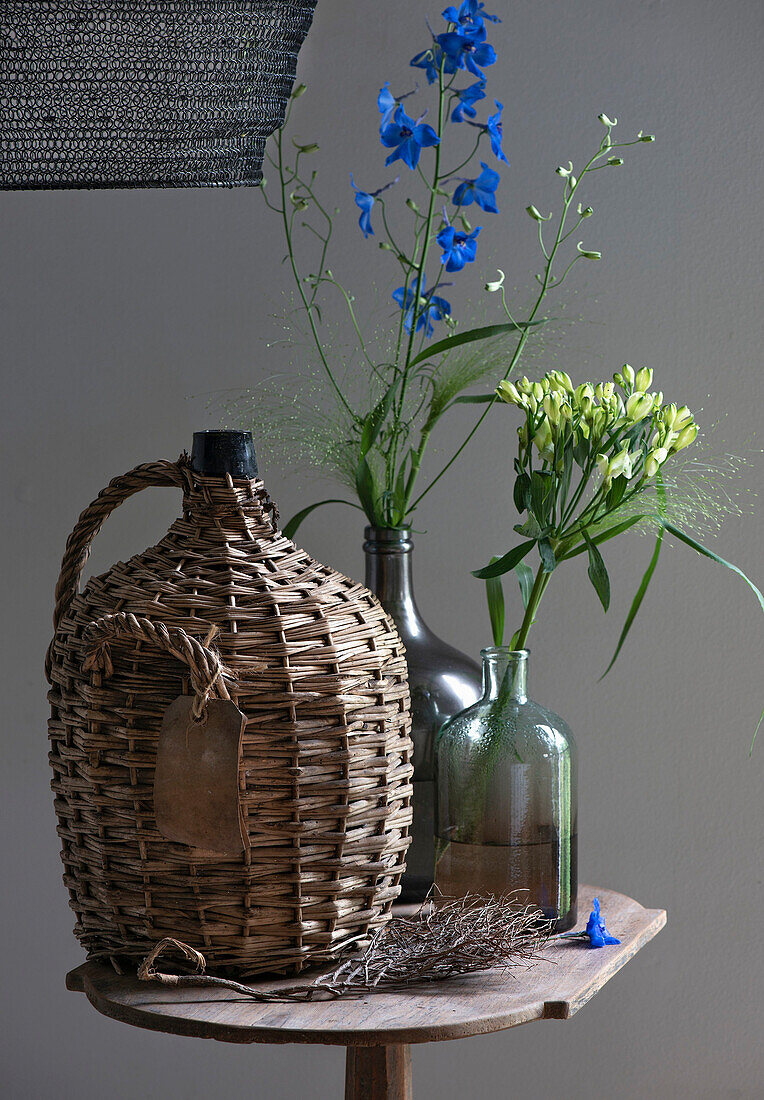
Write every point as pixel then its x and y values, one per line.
pixel 596 932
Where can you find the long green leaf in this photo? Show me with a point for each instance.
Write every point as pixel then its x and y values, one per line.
pixel 374 422
pixel 290 529
pixel 475 399
pixel 364 485
pixel 598 574
pixel 525 580
pixel 636 603
pixel 758 726
pixel 679 534
pixel 498 566
pixel 603 536
pixel 484 333
pixel 548 560
pixel 494 591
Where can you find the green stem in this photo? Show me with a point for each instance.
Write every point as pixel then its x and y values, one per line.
pixel 539 587
pixel 545 284
pixel 298 282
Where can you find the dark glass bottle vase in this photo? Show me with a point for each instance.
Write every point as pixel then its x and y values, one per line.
pixel 442 683
pixel 506 796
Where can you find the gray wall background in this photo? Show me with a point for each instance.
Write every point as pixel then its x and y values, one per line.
pixel 123 311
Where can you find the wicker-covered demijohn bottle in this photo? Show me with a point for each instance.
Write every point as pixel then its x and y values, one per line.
pixel 309 813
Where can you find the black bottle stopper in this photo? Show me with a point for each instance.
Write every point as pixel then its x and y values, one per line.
pixel 217 453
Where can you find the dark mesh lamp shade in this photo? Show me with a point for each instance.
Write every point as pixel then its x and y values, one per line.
pixel 143 93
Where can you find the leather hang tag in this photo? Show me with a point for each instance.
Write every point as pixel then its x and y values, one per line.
pixel 196 785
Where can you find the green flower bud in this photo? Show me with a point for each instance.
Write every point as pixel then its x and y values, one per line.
pixel 311 147
pixel 552 407
pixel 588 253
pixel 598 421
pixel 645 137
pixel 620 464
pixel 654 461
pixel 562 380
pixel 565 172
pixel 687 436
pixel 614 162
pixel 537 215
pixel 386 247
pixel 607 121
pixel 508 392
pixel 497 284
pixel 628 374
pixel 603 464
pixel 538 391
pixel 585 211
pixel 638 406
pixel 543 441
pixel 644 379
pixel 669 415
pixel 683 418
pixel 301 89
pixel 412 205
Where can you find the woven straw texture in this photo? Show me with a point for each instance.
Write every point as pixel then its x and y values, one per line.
pixel 319 671
pixel 143 93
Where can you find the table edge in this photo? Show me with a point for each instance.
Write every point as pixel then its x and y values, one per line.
pixel 79 980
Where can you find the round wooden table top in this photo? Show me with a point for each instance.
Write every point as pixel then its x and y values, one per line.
pixel 567 975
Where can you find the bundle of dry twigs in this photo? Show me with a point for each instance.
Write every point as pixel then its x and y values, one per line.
pixel 444 939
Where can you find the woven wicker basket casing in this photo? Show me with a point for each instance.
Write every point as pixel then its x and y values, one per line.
pixel 319 671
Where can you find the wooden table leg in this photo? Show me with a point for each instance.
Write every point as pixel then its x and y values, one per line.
pixel 378 1073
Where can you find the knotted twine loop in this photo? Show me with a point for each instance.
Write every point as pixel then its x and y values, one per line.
pixel 209 677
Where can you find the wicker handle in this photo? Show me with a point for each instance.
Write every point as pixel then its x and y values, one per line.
pixel 90 523
pixel 208 674
pixel 92 519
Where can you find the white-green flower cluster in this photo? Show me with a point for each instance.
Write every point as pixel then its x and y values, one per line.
pixel 622 426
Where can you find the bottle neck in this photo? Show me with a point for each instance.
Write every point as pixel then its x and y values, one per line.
pixel 505 673
pixel 388 553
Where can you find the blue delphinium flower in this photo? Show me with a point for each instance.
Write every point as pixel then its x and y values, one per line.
pixel 364 200
pixel 469 16
pixel 496 132
pixel 482 190
pixel 387 103
pixel 407 138
pixel 431 308
pixel 596 932
pixel 468 96
pixel 466 51
pixel 458 248
pixel 429 60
